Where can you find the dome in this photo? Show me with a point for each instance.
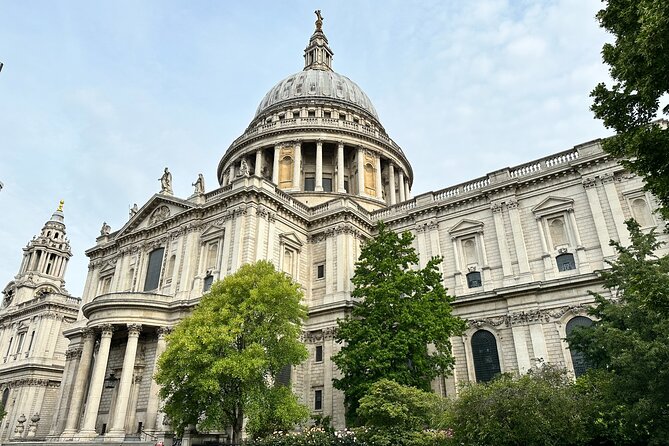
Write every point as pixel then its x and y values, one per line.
pixel 313 83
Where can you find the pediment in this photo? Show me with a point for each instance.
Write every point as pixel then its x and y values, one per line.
pixel 291 239
pixel 212 231
pixel 108 267
pixel 158 209
pixel 553 204
pixel 466 226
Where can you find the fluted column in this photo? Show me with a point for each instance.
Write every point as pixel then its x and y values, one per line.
pixel 257 171
pixel 154 398
pixel 340 168
pixel 361 171
pixel 97 381
pixel 407 192
pixel 378 185
pixel 391 183
pixel 400 183
pixel 275 165
pixel 319 167
pixel 231 177
pixel 74 412
pixel 297 166
pixel 125 383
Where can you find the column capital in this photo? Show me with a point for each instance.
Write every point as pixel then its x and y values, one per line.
pixel 163 331
pixel 87 333
pixel 134 329
pixel 106 329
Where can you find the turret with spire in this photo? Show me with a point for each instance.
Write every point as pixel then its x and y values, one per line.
pixel 44 262
pixel 317 54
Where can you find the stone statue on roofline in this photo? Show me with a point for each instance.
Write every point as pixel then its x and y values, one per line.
pixel 166 182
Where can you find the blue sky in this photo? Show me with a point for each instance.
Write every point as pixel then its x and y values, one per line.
pixel 96 98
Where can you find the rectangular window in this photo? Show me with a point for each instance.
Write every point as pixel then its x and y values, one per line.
pixel 32 341
pixel 9 348
pixel 327 184
pixel 318 400
pixel 312 113
pixel 319 353
pixel 327 114
pixel 19 344
pixel 153 271
pixel 320 271
pixel 310 184
pixel 207 283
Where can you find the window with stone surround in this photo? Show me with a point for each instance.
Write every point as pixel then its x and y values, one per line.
pixel 153 269
pixel 474 279
pixel 320 271
pixel 318 399
pixel 208 281
pixel 640 207
pixel 469 251
pixel 557 229
pixel 577 359
pixel 290 250
pixel 485 355
pixel 319 353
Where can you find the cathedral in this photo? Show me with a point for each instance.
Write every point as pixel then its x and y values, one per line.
pixel 303 186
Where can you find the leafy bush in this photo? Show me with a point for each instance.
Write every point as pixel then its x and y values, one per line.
pixel 540 408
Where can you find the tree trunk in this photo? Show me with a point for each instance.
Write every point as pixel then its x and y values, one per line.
pixel 238 427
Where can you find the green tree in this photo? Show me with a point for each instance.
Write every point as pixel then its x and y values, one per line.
pixel 222 360
pixel 401 326
pixel 639 65
pixel 628 345
pixel 539 408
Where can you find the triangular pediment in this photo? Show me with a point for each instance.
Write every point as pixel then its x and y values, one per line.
pixel 553 204
pixel 213 230
pixel 291 239
pixel 107 267
pixel 158 209
pixel 466 226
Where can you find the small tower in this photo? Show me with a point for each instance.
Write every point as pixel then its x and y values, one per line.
pixel 317 54
pixel 44 262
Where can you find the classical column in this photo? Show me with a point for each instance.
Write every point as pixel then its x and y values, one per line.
pixel 125 383
pixel 589 184
pixel 231 177
pixel 400 183
pixel 275 165
pixel 391 183
pixel 257 171
pixel 518 237
pixel 154 398
pixel 616 208
pixel 97 381
pixel 407 192
pixel 74 413
pixel 361 171
pixel 500 232
pixel 319 166
pixel 378 185
pixel 297 165
pixel 340 168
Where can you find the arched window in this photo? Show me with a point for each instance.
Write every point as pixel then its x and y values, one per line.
pixel 212 255
pixel 558 232
pixel 577 358
pixel 469 251
pixel 486 358
pixel 641 212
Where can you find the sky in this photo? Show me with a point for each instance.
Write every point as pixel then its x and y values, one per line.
pixel 97 98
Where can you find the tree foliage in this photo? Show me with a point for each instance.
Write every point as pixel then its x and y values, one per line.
pixel 539 408
pixel 629 344
pixel 639 65
pixel 401 325
pixel 222 360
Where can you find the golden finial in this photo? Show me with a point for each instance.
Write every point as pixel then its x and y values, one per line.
pixel 60 206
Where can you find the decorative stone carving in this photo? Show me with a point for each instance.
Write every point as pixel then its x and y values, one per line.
pixel 134 329
pixel 32 429
pixel 199 185
pixel 528 317
pixel 106 329
pixel 329 333
pixel 589 182
pixel 133 211
pixel 73 353
pixel 18 430
pixel 166 182
pixel 161 213
pixel 105 229
pixel 496 207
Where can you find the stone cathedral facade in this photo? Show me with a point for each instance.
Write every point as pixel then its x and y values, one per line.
pixel 303 187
